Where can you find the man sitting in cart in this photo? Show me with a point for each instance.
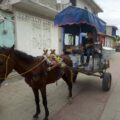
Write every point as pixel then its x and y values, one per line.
pixel 87 48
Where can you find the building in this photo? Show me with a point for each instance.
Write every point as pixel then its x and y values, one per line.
pixel 34 22
pixel 89 5
pixel 111 30
pixel 111 37
pixel 7 37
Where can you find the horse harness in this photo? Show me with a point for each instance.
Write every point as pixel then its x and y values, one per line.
pixel 29 70
pixel 45 73
pixel 35 75
pixel 6 64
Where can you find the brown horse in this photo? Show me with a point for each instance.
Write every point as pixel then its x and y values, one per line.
pixel 34 70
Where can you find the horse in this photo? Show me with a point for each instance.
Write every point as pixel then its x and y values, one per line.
pixel 34 70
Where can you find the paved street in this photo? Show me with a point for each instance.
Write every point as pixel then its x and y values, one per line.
pixel 89 101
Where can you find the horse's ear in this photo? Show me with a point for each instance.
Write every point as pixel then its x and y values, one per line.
pixel 13 47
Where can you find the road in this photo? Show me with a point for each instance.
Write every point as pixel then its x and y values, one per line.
pixel 89 101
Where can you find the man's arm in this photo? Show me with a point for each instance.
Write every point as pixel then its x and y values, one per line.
pixel 89 43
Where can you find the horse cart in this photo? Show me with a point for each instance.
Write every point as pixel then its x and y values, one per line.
pixel 76 23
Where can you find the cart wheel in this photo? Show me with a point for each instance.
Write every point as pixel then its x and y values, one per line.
pixel 106 82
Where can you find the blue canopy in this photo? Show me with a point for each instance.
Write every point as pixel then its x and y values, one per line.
pixel 77 16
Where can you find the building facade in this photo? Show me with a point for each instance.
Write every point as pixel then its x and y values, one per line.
pixel 111 37
pixel 7 30
pixel 34 22
pixel 111 30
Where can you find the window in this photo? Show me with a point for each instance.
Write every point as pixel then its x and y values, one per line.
pixel 71 41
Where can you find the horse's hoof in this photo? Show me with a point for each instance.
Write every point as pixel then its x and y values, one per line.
pixel 35 116
pixel 69 97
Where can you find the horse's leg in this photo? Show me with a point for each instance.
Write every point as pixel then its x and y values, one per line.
pixel 68 80
pixel 36 94
pixel 75 76
pixel 44 97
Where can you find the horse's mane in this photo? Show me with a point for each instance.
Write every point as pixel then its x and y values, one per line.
pixel 24 56
pixel 3 49
pixel 28 59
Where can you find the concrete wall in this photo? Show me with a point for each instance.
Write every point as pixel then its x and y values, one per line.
pixel 10 1
pixel 108 42
pixel 82 4
pixel 7 30
pixel 50 3
pixel 109 30
pixel 33 34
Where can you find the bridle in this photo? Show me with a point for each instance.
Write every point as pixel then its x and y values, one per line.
pixel 29 70
pixel 6 64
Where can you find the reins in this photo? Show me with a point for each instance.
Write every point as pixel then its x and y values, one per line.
pixel 5 64
pixel 29 70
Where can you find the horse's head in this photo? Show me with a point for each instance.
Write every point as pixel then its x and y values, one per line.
pixel 6 62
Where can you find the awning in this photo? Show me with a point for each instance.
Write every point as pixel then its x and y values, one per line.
pixel 77 16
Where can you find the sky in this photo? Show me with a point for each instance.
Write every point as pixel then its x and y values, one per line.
pixel 111 12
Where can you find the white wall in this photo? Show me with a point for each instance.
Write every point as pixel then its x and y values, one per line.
pixel 10 1
pixel 82 4
pixel 108 42
pixel 49 3
pixel 109 30
pixel 33 34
